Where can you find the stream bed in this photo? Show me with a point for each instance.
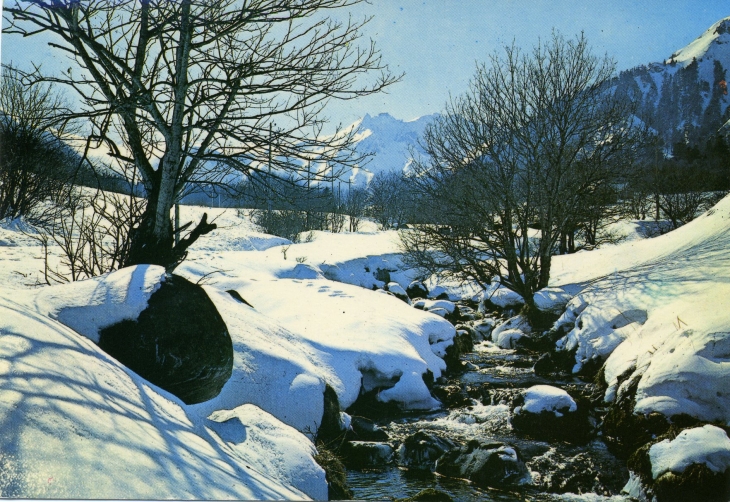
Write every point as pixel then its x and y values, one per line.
pixel 556 469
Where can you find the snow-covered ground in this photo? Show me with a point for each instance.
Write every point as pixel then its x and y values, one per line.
pixel 78 424
pixel 657 309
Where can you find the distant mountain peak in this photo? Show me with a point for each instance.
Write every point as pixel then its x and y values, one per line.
pixel 705 45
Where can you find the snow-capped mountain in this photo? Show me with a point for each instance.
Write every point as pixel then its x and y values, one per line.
pixel 389 140
pixel 685 96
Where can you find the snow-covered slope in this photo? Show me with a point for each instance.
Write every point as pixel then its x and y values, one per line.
pixel 77 424
pixel 657 311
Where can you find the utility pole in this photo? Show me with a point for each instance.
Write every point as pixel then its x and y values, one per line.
pixel 268 180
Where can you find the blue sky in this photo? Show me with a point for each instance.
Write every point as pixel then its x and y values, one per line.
pixel 437 42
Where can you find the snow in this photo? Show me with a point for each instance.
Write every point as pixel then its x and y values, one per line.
pixel 655 310
pixel 87 307
pixel 539 398
pixel 77 424
pixel 708 445
pixel 72 410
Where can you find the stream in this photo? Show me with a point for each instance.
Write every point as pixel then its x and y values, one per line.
pixel 493 377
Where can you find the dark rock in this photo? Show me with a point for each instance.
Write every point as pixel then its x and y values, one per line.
pixel 462 345
pixel 545 365
pixel 330 428
pixel 417 289
pixel 486 464
pixel 364 429
pixel 179 342
pixel 421 450
pixel 368 405
pixel 697 482
pixel 335 473
pixel 578 473
pixel 624 431
pixel 364 454
pixel 451 396
pixel 561 423
pixel 382 274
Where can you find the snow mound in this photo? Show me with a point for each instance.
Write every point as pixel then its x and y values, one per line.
pixel 708 445
pixel 78 425
pixel 89 306
pixel 539 398
pixel 285 451
pixel 656 311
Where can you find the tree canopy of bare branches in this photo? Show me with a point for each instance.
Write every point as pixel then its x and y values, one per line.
pixel 35 163
pixel 513 161
pixel 187 91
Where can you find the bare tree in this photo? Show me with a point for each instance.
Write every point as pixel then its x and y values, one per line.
pixel 511 163
pixel 390 200
pixel 187 91
pixel 34 161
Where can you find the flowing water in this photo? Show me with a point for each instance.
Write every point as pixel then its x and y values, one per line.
pixel 493 378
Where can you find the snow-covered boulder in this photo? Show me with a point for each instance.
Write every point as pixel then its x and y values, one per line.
pixel 508 334
pixel 501 297
pixel 179 342
pixel 161 326
pixel 421 450
pixel 695 465
pixel 76 424
pixel 510 338
pixel 417 289
pixel 484 328
pixel 544 411
pixel 399 292
pixel 554 299
pixel 485 464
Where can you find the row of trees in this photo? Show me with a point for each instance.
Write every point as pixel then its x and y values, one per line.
pixel 519 163
pixel 185 93
pixel 183 96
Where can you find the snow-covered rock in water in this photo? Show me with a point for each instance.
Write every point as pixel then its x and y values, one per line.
pixel 441 293
pixel 485 327
pixel 417 289
pixel 431 305
pixel 695 465
pixel 708 445
pixel 540 398
pixel 510 331
pixel 545 411
pixel 79 425
pixel 501 297
pixel 510 338
pixel 486 464
pixel 554 299
pixel 399 292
